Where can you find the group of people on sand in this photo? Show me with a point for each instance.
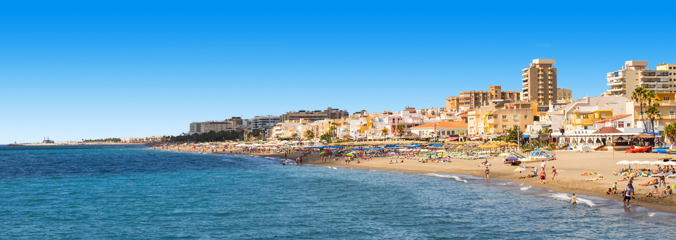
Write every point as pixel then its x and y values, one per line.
pixel 543 173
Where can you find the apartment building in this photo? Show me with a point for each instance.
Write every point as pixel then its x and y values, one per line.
pixel 475 99
pixel 498 117
pixel 634 74
pixel 564 95
pixel 216 126
pixel 539 81
pixel 329 113
pixel 263 122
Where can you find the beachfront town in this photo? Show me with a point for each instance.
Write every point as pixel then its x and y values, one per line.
pixel 639 100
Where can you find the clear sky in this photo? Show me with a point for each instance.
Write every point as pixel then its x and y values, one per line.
pixel 99 69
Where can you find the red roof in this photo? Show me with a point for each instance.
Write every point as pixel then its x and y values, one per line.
pixel 614 118
pixel 444 125
pixel 605 130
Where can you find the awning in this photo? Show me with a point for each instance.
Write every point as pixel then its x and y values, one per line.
pixel 526 136
pixel 452 138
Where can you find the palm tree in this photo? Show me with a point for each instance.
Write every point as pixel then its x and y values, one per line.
pixel 309 134
pixel 639 95
pixel 245 134
pixel 670 132
pixel 384 132
pixel 652 112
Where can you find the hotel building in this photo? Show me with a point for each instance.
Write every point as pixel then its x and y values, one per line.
pixel 539 81
pixel 634 74
pixel 475 99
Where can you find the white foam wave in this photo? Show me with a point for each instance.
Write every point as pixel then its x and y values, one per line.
pixel 652 214
pixel 525 188
pixel 566 197
pixel 334 168
pixel 456 178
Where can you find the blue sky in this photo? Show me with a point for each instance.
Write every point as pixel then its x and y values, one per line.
pixel 96 69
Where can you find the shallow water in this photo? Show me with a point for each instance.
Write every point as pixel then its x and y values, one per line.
pixel 130 192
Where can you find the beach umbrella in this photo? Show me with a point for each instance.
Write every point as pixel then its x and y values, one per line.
pixel 520 169
pixel 623 162
pixel 483 156
pixel 350 155
pixel 512 158
pixel 322 153
pixel 656 163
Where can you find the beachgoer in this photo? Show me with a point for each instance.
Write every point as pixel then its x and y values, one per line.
pixel 614 188
pixel 653 192
pixel 543 177
pixel 628 194
pixel 554 174
pixel 543 165
pixel 573 200
pixel 487 171
pixel 610 190
pixel 667 192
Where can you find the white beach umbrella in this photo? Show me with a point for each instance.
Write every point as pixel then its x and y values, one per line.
pixel 656 163
pixel 646 162
pixel 623 162
pixel 635 162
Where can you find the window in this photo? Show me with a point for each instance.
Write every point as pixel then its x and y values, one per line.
pixel 671 112
pixel 516 117
pixel 504 127
pixel 581 116
pixel 603 115
pixel 504 117
pixel 666 98
pixel 525 116
pixel 620 124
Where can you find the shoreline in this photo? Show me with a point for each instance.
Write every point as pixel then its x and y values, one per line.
pixel 567 183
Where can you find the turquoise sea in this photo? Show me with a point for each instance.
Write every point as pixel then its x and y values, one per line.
pixel 104 192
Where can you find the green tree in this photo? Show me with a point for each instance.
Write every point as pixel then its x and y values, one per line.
pixel 639 95
pixel 309 134
pixel 652 111
pixel 326 137
pixel 400 129
pixel 294 135
pixel 514 133
pixel 670 132
pixel 384 132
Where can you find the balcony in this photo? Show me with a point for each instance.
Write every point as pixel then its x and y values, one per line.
pixel 662 80
pixel 616 89
pixel 668 103
pixel 490 121
pixel 615 82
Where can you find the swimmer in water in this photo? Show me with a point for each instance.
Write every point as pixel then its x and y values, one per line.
pixel 573 200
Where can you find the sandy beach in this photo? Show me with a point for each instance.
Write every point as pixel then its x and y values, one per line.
pixel 569 164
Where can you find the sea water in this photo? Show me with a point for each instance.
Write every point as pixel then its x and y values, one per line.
pixel 131 192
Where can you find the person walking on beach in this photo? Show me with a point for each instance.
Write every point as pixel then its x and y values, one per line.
pixel 487 172
pixel 554 174
pixel 543 176
pixel 573 200
pixel 543 165
pixel 628 193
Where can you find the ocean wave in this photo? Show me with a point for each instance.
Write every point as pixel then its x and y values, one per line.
pixel 456 178
pixel 566 197
pixel 525 188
